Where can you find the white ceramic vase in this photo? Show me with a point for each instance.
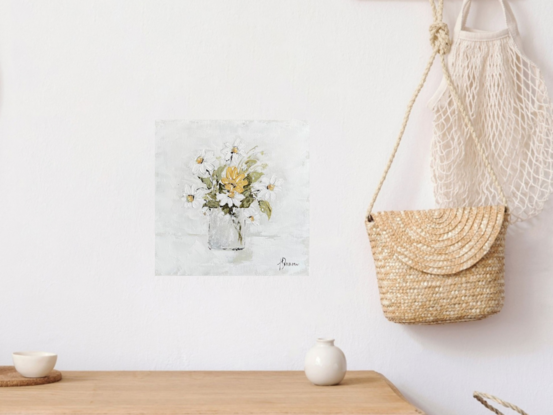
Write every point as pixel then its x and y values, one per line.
pixel 325 364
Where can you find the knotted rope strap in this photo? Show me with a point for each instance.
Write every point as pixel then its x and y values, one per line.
pixel 441 45
pixel 481 397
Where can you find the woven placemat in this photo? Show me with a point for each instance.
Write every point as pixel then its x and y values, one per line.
pixel 10 377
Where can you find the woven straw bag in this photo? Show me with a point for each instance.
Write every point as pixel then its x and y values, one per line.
pixel 443 265
pixel 482 397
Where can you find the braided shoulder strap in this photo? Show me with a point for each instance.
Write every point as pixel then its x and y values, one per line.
pixel 441 45
pixel 481 397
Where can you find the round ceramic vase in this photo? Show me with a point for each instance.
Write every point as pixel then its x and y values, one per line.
pixel 325 364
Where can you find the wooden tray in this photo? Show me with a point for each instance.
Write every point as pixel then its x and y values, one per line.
pixel 10 377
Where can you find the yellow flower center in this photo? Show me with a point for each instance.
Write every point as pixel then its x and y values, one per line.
pixel 234 150
pixel 271 187
pixel 231 194
pixel 252 218
pixel 190 198
pixel 199 160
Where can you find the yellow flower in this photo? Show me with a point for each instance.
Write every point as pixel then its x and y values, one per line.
pixel 234 180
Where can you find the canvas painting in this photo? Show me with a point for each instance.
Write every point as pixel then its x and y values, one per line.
pixel 232 198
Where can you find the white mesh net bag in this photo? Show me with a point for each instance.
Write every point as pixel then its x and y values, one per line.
pixel 507 100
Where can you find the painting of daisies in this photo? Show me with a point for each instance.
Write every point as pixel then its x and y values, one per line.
pixel 232 198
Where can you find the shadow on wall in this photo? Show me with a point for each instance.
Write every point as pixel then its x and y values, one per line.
pixel 521 326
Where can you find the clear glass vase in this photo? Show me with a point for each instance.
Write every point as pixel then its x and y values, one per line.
pixel 226 232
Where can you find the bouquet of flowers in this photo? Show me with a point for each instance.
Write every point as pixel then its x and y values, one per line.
pixel 233 188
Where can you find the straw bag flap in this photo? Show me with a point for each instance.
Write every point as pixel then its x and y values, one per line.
pixel 439 241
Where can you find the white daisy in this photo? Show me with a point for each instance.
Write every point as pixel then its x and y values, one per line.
pixel 233 152
pixel 251 216
pixel 267 188
pixel 204 163
pixel 193 196
pixel 230 199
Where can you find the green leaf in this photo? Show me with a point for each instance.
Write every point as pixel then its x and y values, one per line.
pixel 207 182
pixel 212 204
pixel 254 176
pixel 265 207
pixel 247 202
pixel 211 200
pixel 218 173
pixel 250 163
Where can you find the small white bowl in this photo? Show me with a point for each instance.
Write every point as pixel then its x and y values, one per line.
pixel 34 364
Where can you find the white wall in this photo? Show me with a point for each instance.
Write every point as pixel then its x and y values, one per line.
pixel 81 85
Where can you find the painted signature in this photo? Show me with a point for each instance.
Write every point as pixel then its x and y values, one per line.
pixel 283 264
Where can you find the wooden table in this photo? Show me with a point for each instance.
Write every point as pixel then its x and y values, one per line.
pixel 213 393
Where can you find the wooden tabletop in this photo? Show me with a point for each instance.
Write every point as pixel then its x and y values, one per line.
pixel 213 393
